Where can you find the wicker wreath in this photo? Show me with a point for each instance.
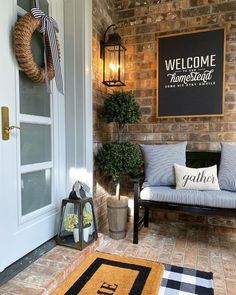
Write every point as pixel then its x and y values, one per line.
pixel 24 30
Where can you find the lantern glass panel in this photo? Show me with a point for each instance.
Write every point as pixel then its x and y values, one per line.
pixel 122 64
pixel 88 227
pixel 88 218
pixel 71 213
pixel 111 63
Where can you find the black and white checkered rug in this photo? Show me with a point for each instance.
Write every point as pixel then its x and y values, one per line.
pixel 185 281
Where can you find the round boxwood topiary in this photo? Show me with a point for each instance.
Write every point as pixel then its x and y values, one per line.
pixel 121 108
pixel 118 159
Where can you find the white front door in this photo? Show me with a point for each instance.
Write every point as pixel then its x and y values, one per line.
pixel 32 161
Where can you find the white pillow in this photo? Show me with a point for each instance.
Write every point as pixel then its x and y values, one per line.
pixel 199 179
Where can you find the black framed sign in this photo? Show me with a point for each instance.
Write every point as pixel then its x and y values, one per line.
pixel 191 74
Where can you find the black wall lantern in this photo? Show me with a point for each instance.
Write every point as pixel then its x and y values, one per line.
pixel 113 55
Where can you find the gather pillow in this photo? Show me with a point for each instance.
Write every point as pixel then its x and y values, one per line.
pixel 159 162
pixel 227 171
pixel 196 178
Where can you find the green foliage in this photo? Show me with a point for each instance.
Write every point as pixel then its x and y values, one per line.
pixel 119 159
pixel 121 108
pixel 70 222
pixel 87 218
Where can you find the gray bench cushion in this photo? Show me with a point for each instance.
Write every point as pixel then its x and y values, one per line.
pixel 219 199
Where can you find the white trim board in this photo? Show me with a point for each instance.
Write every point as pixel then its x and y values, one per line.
pixel 78 91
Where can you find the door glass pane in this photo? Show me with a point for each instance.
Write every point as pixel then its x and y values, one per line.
pixel 35 190
pixel 34 99
pixel 28 4
pixel 35 142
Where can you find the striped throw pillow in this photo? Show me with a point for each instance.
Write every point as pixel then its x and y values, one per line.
pixel 227 171
pixel 159 162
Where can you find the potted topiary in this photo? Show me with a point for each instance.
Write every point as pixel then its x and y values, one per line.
pixel 122 109
pixel 119 158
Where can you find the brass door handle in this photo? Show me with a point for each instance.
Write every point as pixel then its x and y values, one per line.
pixel 6 129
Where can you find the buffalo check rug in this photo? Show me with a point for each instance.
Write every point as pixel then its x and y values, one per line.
pixel 182 281
pixel 107 274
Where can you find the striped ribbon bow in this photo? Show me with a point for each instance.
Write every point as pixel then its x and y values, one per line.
pixel 50 27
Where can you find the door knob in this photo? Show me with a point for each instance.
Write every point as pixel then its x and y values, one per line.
pixel 6 129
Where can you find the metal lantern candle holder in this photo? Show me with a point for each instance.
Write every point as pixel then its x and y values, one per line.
pixel 113 55
pixel 77 226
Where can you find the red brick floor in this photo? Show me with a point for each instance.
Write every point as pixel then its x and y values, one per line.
pixel 48 272
pixel 201 247
pixel 193 246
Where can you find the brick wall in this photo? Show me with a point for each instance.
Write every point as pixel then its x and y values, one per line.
pixel 140 23
pixel 103 16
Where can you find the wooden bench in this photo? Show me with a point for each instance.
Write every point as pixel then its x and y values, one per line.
pixel 194 160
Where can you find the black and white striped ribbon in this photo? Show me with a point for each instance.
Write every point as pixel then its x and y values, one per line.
pixel 50 27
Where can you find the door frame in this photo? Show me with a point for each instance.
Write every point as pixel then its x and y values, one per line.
pixel 78 85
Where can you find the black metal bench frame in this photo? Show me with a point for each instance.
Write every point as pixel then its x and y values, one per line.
pixel 194 160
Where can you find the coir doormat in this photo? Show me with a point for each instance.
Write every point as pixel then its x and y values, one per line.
pixel 107 274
